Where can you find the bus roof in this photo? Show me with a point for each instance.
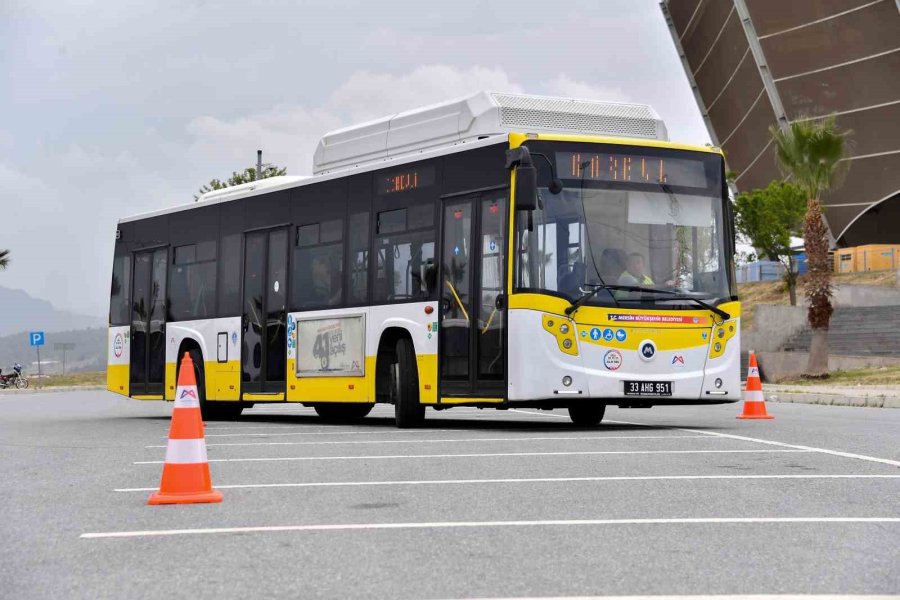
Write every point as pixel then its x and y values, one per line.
pixel 482 119
pixel 477 116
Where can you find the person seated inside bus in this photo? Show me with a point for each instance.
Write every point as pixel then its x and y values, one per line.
pixel 634 271
pixel 612 264
pixel 323 290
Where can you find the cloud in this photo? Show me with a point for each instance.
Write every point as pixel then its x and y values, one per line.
pixel 367 95
pixel 288 134
pixel 563 85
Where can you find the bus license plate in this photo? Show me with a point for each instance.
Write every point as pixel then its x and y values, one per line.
pixel 648 388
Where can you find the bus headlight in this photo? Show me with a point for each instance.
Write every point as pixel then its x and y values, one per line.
pixel 567 381
pixel 718 382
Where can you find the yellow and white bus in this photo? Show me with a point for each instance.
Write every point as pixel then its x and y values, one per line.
pixel 496 251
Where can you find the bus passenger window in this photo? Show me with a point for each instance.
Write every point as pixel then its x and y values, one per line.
pixel 120 292
pixel 192 282
pixel 318 265
pixel 405 268
pixel 358 264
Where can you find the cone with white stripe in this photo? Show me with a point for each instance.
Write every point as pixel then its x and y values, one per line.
pixel 185 476
pixel 754 401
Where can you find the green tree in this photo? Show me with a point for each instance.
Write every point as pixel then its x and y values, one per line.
pixel 237 178
pixel 809 152
pixel 4 259
pixel 769 218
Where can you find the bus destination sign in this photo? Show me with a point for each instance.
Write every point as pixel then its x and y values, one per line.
pixel 631 168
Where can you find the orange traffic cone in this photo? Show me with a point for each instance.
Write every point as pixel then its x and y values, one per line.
pixel 754 401
pixel 185 476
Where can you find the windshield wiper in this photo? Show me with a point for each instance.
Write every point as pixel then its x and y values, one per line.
pixel 576 304
pixel 633 288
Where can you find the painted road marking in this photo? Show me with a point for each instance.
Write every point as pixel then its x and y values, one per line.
pixel 391 431
pixel 461 440
pixel 709 597
pixel 485 455
pixel 520 480
pixel 534 414
pixel 730 436
pixel 492 524
pixel 295 427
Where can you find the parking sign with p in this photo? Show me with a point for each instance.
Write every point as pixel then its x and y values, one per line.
pixel 36 338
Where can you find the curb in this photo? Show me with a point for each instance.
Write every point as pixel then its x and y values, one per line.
pixel 798 397
pixel 50 390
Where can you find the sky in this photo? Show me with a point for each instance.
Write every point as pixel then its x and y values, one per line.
pixel 109 109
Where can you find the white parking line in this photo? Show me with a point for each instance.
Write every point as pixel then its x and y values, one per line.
pixel 245 427
pixel 709 597
pixel 534 414
pixel 529 480
pixel 730 436
pixel 492 524
pixel 459 440
pixel 484 455
pixel 346 432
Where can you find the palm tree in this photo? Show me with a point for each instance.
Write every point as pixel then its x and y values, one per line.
pixel 4 259
pixel 810 152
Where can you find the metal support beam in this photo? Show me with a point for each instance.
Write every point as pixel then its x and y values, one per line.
pixel 687 71
pixel 760 58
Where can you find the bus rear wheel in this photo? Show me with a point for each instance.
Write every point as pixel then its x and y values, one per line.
pixel 408 412
pixel 588 415
pixel 343 412
pixel 210 410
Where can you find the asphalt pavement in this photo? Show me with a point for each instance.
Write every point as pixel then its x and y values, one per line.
pixel 479 504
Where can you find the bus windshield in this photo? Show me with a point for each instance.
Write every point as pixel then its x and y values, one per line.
pixel 645 218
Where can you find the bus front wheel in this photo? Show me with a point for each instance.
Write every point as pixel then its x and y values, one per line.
pixel 408 412
pixel 588 415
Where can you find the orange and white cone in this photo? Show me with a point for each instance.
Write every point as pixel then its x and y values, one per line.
pixel 754 401
pixel 185 476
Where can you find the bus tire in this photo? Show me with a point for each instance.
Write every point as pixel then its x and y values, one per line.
pixel 587 415
pixel 209 410
pixel 408 412
pixel 343 412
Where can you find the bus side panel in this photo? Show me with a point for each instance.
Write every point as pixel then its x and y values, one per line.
pixel 423 329
pixel 328 388
pixel 117 360
pixel 411 317
pixel 219 341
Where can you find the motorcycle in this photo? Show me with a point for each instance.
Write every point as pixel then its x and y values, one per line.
pixel 14 379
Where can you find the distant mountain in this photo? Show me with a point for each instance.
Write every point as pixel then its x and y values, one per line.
pixel 89 353
pixel 19 312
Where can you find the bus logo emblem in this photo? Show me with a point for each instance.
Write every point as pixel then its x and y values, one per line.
pixel 118 345
pixel 648 350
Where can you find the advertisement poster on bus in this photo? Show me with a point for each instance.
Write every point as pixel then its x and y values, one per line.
pixel 333 346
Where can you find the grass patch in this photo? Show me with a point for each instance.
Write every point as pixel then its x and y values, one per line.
pixel 70 379
pixel 872 376
pixel 775 292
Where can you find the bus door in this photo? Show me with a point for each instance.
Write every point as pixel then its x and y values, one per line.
pixel 147 370
pixel 472 331
pixel 264 313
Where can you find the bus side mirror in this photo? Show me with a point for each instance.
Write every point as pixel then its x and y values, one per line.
pixel 526 187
